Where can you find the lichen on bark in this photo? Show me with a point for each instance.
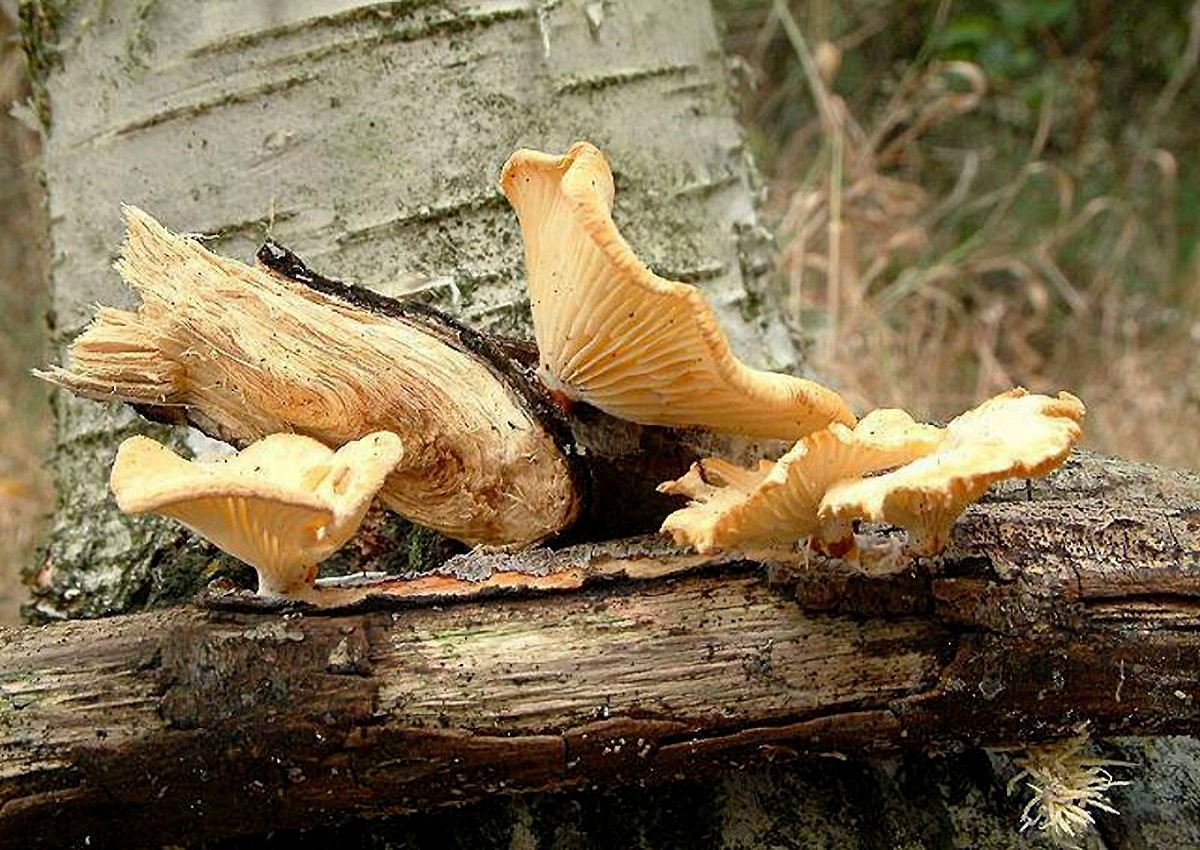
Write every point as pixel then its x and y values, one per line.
pixel 97 561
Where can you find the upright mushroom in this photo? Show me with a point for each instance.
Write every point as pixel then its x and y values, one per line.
pixel 282 505
pixel 619 337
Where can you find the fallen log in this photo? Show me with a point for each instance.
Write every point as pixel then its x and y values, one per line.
pixel 1075 598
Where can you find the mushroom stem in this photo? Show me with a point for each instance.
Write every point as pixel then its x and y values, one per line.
pixel 297 587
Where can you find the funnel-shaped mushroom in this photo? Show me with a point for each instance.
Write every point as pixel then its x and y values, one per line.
pixel 1014 435
pixel 614 334
pixel 282 505
pixel 776 505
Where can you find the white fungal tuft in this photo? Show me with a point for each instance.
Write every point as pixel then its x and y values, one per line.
pixel 1067 785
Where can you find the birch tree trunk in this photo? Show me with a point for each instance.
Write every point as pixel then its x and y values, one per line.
pixel 368 137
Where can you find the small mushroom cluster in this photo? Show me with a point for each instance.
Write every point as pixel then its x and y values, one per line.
pixel 645 349
pixel 827 480
pixel 778 503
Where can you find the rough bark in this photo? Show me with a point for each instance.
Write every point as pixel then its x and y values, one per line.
pixel 1071 600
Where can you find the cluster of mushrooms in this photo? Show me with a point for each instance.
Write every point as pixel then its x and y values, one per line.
pixel 616 336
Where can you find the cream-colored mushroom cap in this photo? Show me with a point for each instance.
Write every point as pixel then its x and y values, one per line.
pixel 619 337
pixel 1014 435
pixel 282 505
pixel 776 505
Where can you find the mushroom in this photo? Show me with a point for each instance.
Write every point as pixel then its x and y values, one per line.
pixel 283 504
pixel 619 337
pixel 1014 435
pixel 776 504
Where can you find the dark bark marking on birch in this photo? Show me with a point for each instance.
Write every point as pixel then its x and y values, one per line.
pixel 196 108
pixel 389 17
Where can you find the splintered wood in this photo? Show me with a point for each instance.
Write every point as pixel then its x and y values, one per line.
pixel 242 353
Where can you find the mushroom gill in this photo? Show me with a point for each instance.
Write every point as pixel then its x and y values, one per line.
pixel 1014 435
pixel 776 505
pixel 281 505
pixel 619 337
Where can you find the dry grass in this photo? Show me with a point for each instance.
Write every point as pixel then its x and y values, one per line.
pixel 24 415
pixel 931 300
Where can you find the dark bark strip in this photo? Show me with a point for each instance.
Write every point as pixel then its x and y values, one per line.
pixel 1077 599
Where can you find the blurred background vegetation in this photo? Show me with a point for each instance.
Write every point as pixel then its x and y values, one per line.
pixel 973 195
pixel 25 437
pixel 966 196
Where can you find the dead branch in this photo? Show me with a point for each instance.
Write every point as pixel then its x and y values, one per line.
pixel 1077 598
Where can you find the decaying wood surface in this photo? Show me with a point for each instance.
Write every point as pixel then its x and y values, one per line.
pixel 1074 599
